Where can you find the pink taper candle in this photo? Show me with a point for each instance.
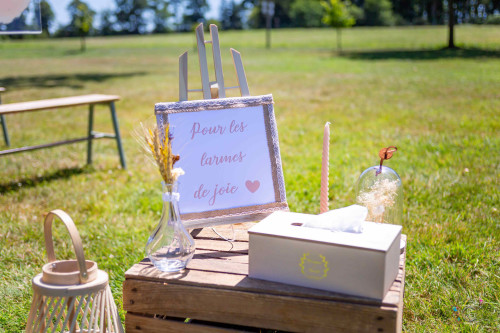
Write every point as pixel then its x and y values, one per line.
pixel 325 164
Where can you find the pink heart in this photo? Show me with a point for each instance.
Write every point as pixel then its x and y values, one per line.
pixel 252 186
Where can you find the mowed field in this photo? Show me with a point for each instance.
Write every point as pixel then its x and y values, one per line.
pixel 391 86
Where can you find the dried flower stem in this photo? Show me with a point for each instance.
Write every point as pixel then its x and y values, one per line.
pixel 162 154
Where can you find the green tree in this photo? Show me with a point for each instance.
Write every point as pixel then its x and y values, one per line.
pixel 47 17
pixel 231 15
pixel 378 12
pixel 175 5
pixel 82 19
pixel 307 13
pixel 161 15
pixel 107 23
pixel 282 14
pixel 195 12
pixel 337 16
pixel 134 16
pixel 130 16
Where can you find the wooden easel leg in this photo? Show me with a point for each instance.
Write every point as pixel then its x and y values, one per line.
pixel 183 77
pixel 219 76
pixel 117 135
pixel 240 71
pixel 202 55
pixel 89 134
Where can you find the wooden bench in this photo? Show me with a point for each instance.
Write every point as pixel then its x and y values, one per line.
pixel 217 295
pixel 55 103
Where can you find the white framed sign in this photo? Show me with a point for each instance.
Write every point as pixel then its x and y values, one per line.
pixel 229 151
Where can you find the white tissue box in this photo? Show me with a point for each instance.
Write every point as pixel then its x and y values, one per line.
pixel 361 264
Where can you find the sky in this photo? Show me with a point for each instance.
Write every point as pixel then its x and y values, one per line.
pixel 59 8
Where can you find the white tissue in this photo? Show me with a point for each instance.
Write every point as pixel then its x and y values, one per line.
pixel 347 219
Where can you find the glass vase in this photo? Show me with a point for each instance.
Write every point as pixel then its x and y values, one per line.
pixel 170 246
pixel 380 190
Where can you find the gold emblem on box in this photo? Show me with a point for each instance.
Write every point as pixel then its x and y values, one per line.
pixel 314 269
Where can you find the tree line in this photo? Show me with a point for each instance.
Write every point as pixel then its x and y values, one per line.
pixel 309 13
pixel 161 16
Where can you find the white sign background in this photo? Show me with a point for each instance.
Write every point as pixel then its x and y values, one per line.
pixel 225 156
pixel 229 151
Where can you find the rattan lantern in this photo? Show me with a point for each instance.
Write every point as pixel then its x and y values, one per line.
pixel 71 295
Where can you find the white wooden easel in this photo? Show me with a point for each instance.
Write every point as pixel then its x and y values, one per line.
pixel 211 89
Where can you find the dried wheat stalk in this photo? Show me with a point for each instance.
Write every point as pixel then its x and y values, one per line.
pixel 161 150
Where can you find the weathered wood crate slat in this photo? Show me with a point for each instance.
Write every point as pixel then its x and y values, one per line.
pixel 216 293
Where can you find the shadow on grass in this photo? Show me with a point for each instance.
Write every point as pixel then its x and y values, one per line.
pixel 34 181
pixel 426 54
pixel 53 81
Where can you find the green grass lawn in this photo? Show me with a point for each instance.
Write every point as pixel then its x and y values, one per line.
pixel 391 86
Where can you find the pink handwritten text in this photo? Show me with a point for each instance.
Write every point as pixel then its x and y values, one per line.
pixel 201 192
pixel 221 159
pixel 234 127
pixel 197 129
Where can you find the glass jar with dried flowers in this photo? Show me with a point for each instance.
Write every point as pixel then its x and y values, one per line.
pixel 380 190
pixel 170 246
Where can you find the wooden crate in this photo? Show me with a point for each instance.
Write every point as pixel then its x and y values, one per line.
pixel 217 295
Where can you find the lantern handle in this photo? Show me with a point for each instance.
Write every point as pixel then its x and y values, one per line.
pixel 75 238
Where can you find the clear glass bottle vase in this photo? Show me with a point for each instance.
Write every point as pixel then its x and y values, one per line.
pixel 170 246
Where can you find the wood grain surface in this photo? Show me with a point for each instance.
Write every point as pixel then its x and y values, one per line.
pixel 215 288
